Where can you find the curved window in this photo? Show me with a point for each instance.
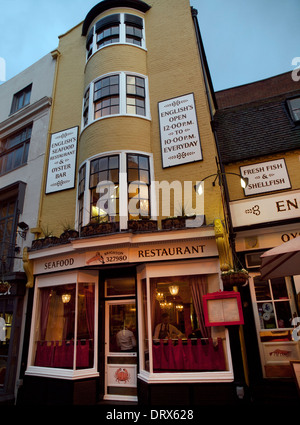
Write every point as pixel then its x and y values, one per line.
pixel 106 96
pixel 119 188
pixel 116 94
pixel 122 28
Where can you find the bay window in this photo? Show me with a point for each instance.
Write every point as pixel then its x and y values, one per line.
pixel 104 186
pixel 106 96
pixel 65 318
pixel 174 340
pixel 115 94
pixel 119 28
pixel 119 188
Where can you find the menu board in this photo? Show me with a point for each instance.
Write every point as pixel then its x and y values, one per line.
pixel 223 308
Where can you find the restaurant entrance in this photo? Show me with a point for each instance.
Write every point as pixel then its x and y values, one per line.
pixel 120 336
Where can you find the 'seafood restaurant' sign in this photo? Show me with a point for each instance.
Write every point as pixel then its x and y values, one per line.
pixel 172 251
pixel 62 160
pixel 179 133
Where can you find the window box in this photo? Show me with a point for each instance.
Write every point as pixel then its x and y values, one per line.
pixel 173 222
pixel 45 242
pixel 142 225
pixel 67 235
pixel 99 228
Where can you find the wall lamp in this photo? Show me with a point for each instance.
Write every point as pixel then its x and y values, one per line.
pixel 23 229
pixel 199 189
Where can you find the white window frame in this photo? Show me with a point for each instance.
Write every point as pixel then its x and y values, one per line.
pixel 122 35
pixel 123 194
pixel 58 279
pixel 186 268
pixel 122 98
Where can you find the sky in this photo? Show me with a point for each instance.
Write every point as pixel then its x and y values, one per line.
pixel 244 40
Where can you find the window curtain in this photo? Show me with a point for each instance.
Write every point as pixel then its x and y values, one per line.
pixel 90 310
pixel 44 352
pixel 200 355
pixel 199 287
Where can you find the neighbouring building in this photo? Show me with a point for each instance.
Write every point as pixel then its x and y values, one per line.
pixel 124 243
pixel 258 133
pixel 25 104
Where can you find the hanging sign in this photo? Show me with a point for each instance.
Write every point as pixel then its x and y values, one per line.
pixel 179 133
pixel 62 161
pixel 223 309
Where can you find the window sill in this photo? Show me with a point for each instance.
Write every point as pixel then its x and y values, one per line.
pixel 147 118
pixel 57 373
pixel 115 44
pixel 186 377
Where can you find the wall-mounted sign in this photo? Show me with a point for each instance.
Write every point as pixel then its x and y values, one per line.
pixel 62 160
pixel 179 133
pixel 223 309
pixel 266 177
pixel 197 248
pixel 269 208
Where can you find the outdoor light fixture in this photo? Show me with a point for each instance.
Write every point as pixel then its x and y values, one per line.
pixel 66 298
pixel 199 187
pixel 174 289
pixel 24 229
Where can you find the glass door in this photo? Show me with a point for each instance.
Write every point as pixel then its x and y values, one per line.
pixel 120 350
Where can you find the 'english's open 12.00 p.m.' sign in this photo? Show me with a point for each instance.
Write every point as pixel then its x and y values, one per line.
pixel 179 133
pixel 62 160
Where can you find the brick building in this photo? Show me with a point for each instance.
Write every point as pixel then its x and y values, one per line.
pixel 258 133
pixel 25 104
pixel 123 237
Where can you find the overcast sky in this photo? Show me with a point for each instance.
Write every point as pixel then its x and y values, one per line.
pixel 244 40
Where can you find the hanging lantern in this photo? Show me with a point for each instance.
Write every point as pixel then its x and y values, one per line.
pixel 174 289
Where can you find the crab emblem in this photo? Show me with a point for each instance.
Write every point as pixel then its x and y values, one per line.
pixel 122 375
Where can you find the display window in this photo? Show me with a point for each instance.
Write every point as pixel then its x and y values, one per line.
pixel 63 335
pixel 175 338
pixel 6 320
pixel 274 308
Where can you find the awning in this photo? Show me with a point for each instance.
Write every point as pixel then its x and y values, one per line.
pixel 283 260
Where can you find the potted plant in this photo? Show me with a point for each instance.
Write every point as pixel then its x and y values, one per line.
pixel 4 287
pixel 46 241
pixel 234 277
pixel 68 233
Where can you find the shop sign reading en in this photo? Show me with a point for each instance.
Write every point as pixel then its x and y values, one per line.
pixel 62 160
pixel 179 133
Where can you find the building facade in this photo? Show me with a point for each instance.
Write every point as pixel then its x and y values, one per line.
pixel 125 243
pixel 258 133
pixel 25 103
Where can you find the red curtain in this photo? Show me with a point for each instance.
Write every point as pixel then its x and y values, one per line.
pixel 178 356
pixel 199 287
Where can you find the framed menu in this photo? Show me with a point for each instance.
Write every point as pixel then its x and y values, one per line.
pixel 223 308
